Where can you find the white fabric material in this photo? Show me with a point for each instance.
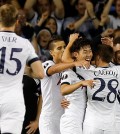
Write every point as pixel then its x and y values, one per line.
pixel 15 51
pixel 12 117
pixel 101 105
pixel 51 107
pixel 71 120
pixel 93 130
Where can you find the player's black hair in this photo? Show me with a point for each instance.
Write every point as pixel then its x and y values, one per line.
pixel 105 52
pixel 54 39
pixel 28 31
pixel 116 41
pixel 79 43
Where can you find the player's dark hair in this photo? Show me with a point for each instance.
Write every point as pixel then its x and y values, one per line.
pixel 54 39
pixel 79 43
pixel 116 41
pixel 105 52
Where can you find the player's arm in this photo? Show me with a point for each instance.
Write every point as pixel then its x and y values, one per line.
pixel 67 57
pixel 35 70
pixel 67 88
pixel 57 68
pixel 32 127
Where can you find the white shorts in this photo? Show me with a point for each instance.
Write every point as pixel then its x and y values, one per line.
pixel 70 125
pixel 92 130
pixel 48 125
pixel 12 116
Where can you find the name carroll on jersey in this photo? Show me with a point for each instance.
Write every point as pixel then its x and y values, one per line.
pixel 105 72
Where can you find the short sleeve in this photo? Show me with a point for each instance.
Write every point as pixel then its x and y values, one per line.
pixel 46 66
pixel 32 56
pixel 67 77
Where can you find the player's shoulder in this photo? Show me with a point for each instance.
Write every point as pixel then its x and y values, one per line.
pixel 91 67
pixel 48 63
pixel 115 66
pixel 23 40
pixel 69 72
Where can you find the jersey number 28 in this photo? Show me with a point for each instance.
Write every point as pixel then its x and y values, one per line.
pixel 102 87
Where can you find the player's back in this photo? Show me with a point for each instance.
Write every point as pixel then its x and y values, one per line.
pixel 100 111
pixel 14 52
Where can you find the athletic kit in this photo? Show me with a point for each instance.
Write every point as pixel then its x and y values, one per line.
pixel 72 119
pixel 15 52
pixel 100 116
pixel 49 122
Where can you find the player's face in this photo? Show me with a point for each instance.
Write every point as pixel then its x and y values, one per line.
pixel 117 57
pixel 116 47
pixel 85 53
pixel 58 50
pixel 118 7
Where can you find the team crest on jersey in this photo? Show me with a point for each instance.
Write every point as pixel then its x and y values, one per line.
pixel 46 65
pixel 65 76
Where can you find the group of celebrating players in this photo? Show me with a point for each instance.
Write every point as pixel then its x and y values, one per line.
pixel 90 94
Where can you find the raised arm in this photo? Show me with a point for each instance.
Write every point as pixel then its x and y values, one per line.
pixel 57 68
pixel 67 55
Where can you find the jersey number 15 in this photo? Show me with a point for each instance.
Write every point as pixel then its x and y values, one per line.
pixel 2 60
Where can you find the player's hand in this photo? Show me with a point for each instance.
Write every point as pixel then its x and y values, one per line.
pixel 32 127
pixel 89 83
pixel 65 103
pixel 84 64
pixel 73 37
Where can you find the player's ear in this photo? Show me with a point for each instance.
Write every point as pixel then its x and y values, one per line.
pixel 75 55
pixel 51 53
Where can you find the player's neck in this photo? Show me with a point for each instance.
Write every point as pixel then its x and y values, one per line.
pixel 103 64
pixel 12 28
pixel 57 61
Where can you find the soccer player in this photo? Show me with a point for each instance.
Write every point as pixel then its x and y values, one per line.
pixel 117 57
pixel 49 122
pixel 73 88
pixel 15 52
pixel 100 116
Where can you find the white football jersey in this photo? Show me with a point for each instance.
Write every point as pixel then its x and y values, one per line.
pixel 15 51
pixel 118 101
pixel 101 104
pixel 50 88
pixel 77 98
